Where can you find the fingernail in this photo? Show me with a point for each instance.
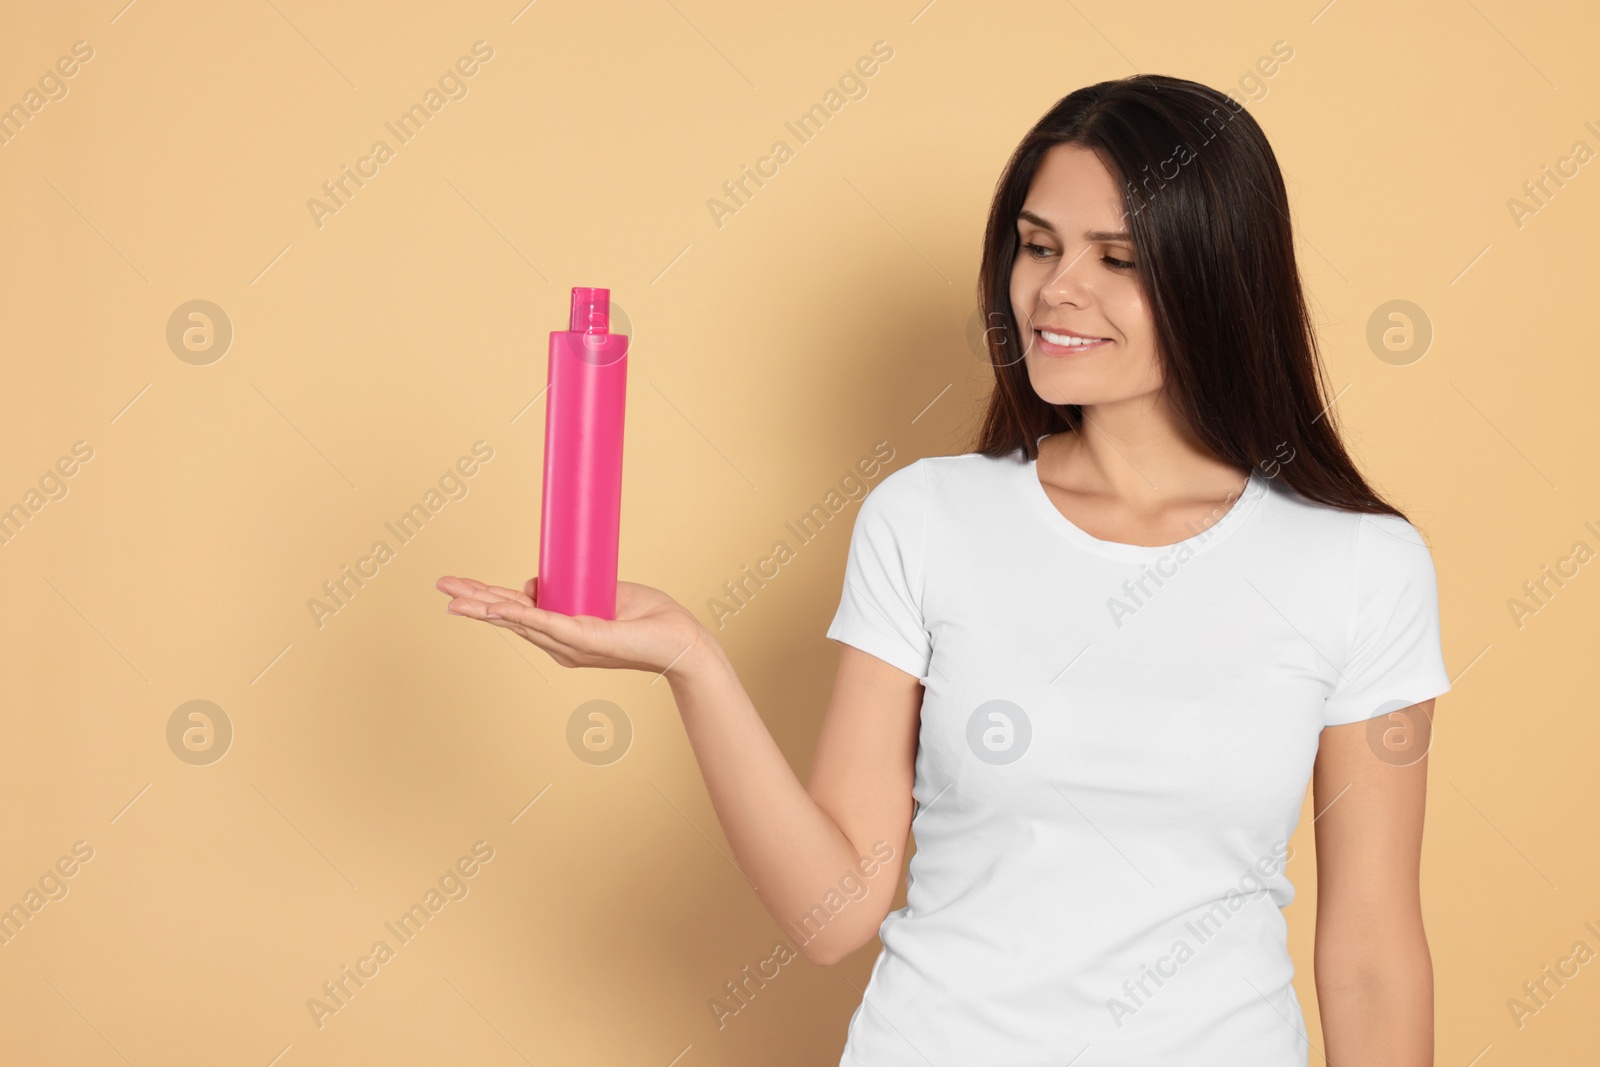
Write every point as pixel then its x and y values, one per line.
pixel 490 615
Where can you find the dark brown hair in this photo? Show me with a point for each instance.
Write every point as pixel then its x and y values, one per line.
pixel 1215 256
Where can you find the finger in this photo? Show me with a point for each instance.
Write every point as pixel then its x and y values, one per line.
pixel 475 607
pixel 466 605
pixel 563 628
pixel 456 586
pixel 490 594
pixel 510 594
pixel 545 641
pixel 494 609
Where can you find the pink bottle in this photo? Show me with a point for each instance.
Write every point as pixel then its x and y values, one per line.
pixel 580 514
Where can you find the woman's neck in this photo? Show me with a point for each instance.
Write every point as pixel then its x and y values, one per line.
pixel 1146 459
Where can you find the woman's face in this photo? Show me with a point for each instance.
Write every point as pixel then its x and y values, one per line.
pixel 1075 274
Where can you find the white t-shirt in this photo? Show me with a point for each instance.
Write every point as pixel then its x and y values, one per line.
pixel 1115 745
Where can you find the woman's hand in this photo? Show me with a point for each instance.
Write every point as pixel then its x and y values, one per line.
pixel 651 632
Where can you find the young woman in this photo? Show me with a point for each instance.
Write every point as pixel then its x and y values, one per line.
pixel 1094 662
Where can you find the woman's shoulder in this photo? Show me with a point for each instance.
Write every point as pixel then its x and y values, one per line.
pixel 1351 523
pixel 1352 547
pixel 928 479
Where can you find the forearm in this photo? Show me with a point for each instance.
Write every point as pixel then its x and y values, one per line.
pixel 1375 997
pixel 785 843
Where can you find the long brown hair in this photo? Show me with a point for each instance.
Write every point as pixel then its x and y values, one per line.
pixel 1215 255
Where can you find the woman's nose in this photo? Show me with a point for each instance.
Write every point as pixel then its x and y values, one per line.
pixel 1066 285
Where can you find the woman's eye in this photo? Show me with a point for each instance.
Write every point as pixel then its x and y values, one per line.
pixel 1041 252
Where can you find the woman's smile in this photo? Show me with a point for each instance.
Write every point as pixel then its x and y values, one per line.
pixel 1051 343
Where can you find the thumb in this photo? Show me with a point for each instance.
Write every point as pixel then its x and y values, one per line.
pixel 531 588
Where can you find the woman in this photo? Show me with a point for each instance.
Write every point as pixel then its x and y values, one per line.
pixel 1094 662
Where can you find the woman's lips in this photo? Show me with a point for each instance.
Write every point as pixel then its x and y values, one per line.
pixel 1051 349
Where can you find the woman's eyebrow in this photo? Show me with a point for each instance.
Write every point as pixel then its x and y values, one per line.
pixel 1088 235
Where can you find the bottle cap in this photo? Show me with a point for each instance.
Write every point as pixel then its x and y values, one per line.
pixel 591 310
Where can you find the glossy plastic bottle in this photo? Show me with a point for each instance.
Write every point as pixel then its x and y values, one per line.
pixel 581 509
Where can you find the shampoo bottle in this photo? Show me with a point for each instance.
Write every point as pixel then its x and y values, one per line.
pixel 580 512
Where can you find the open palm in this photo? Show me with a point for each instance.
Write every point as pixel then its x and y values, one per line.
pixel 650 633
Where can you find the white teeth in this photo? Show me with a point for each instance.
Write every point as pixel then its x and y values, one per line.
pixel 1065 339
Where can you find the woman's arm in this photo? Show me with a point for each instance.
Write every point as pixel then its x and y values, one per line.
pixel 1373 972
pixel 801 846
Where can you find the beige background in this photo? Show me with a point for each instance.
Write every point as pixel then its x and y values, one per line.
pixel 770 354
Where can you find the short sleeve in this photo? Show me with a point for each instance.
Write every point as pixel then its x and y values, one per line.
pixel 880 608
pixel 1394 652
